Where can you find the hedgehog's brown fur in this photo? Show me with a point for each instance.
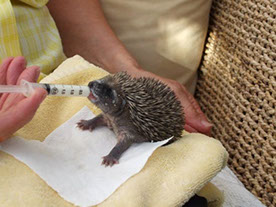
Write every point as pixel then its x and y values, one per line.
pixel 136 109
pixel 154 107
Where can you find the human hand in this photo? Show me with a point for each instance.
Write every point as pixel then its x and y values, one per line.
pixel 195 120
pixel 17 110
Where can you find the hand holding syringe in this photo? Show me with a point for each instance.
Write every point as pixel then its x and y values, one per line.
pixel 27 88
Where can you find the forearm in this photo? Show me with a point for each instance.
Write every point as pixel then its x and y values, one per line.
pixel 85 31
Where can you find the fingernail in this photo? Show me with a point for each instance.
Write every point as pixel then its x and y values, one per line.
pixel 23 63
pixel 206 123
pixel 37 73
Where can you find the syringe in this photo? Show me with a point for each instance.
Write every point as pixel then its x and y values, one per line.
pixel 27 89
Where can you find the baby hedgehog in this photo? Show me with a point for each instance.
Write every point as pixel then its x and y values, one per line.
pixel 136 109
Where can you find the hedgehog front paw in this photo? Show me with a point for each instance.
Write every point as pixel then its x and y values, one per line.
pixel 109 161
pixel 85 125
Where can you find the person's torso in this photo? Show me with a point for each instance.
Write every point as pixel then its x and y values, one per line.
pixel 166 37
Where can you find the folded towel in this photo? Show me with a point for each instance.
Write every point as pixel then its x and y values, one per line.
pixel 171 176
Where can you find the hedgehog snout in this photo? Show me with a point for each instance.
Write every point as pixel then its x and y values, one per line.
pixel 94 84
pixel 96 87
pixel 90 84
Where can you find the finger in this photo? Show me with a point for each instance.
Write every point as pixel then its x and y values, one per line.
pixel 2 99
pixel 206 125
pixel 195 118
pixel 19 115
pixel 29 105
pixel 3 70
pixel 31 74
pixel 190 129
pixel 16 67
pixel 9 100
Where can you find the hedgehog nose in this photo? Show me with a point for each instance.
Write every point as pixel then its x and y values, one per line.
pixel 94 84
pixel 91 84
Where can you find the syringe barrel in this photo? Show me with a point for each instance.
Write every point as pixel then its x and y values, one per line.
pixel 30 87
pixel 67 90
pixel 56 89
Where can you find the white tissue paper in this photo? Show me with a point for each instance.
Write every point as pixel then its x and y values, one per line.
pixel 69 160
pixel 235 194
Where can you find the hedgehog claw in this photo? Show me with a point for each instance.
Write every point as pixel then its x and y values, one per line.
pixel 109 161
pixel 85 125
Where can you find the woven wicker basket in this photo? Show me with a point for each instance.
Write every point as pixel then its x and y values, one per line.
pixel 237 89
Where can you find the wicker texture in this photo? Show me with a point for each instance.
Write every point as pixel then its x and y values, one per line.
pixel 237 89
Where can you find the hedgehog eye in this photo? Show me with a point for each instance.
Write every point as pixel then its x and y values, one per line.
pixel 106 91
pixel 114 94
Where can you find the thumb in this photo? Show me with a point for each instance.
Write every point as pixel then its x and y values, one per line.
pixel 20 114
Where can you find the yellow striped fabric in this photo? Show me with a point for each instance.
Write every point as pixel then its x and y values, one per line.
pixel 27 28
pixel 9 42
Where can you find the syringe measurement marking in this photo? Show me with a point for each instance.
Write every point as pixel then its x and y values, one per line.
pixel 80 91
pixel 72 90
pixel 26 88
pixel 63 90
pixel 54 90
